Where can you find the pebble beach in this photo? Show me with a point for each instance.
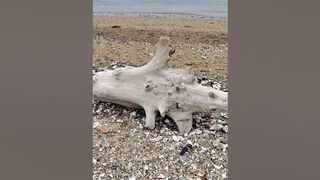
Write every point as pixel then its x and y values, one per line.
pixel 122 147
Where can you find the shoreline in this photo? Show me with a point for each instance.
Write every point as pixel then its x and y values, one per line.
pixel 158 14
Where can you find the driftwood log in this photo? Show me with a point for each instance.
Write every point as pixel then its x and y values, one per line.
pixel 155 88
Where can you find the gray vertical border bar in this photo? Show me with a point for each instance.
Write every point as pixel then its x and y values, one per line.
pixel 45 89
pixel 274 71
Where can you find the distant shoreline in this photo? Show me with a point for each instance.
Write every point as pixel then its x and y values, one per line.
pixel 156 14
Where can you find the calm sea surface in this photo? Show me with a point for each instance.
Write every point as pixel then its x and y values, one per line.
pixel 215 8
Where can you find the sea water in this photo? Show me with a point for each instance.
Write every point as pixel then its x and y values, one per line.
pixel 213 8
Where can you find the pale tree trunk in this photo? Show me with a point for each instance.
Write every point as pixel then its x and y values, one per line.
pixel 155 88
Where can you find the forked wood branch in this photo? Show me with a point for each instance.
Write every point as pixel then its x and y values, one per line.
pixel 156 88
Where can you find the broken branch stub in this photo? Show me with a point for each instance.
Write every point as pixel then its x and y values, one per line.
pixel 155 88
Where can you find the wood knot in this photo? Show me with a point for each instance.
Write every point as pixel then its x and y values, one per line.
pixel 179 88
pixel 117 72
pixel 149 85
pixel 211 95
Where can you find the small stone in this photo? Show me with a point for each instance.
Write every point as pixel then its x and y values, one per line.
pixel 225 128
pixel 103 129
pixel 184 159
pixel 216 127
pixel 102 175
pixel 224 175
pixel 161 176
pixel 203 57
pixel 119 121
pixel 223 114
pixel 157 139
pixel 176 138
pixel 133 113
pixel 201 174
pixel 95 125
pixel 129 165
pixel 132 178
pixel 203 149
pixel 189 142
pixel 217 166
pixel 198 131
pixel 216 86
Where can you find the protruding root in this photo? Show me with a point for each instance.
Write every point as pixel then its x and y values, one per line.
pixel 159 60
pixel 163 110
pixel 150 118
pixel 184 125
pixel 164 41
pixel 183 121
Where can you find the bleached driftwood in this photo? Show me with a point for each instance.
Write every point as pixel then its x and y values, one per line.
pixel 155 88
